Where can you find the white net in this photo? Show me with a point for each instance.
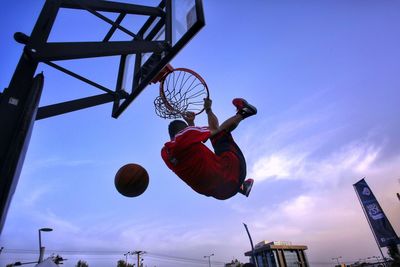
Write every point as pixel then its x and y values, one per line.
pixel 182 90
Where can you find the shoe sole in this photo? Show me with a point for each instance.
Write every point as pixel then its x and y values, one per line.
pixel 249 188
pixel 241 103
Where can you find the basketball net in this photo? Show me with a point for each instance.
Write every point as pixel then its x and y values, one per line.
pixel 181 90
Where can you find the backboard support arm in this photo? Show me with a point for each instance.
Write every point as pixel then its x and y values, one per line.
pixel 19 102
pixel 73 105
pixel 77 50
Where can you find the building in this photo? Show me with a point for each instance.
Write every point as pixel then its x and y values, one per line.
pixel 279 254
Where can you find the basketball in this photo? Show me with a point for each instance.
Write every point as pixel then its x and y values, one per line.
pixel 131 180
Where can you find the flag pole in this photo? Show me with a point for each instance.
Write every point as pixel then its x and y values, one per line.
pixel 370 226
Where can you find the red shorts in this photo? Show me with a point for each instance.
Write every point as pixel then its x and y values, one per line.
pixel 225 146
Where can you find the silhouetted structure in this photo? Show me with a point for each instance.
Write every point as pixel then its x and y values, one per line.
pixel 279 254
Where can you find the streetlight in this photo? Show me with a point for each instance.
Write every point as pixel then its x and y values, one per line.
pixel 209 260
pixel 337 259
pixel 41 249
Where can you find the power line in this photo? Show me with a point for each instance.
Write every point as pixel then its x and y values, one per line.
pixel 118 253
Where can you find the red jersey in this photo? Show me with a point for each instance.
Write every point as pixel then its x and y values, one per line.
pixel 199 167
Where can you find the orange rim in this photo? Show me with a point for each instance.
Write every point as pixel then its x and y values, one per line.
pixel 192 72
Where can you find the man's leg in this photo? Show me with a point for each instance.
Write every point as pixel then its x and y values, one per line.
pixel 230 124
pixel 244 110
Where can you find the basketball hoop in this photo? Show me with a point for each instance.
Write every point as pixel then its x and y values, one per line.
pixel 181 90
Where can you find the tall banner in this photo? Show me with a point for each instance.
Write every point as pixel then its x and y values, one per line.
pixel 380 225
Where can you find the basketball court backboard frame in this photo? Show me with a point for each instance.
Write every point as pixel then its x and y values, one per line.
pixel 153 47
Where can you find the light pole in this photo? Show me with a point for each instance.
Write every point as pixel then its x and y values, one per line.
pixel 337 259
pixel 41 249
pixel 253 256
pixel 209 259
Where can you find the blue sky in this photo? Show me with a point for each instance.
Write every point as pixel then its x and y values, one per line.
pixel 324 77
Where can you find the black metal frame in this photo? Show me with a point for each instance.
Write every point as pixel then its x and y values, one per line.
pixel 49 52
pixel 19 102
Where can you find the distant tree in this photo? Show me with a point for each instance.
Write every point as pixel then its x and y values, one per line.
pixel 82 263
pixel 122 263
pixel 57 259
pixel 234 263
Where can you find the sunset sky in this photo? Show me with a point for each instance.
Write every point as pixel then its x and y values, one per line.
pixel 324 76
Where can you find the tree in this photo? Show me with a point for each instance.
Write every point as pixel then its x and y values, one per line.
pixel 82 263
pixel 234 263
pixel 58 259
pixel 122 263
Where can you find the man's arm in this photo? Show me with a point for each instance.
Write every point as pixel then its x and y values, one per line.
pixel 213 123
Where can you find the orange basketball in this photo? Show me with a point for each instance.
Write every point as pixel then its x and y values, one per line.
pixel 131 180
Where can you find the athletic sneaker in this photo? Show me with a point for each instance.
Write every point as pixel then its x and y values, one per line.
pixel 244 108
pixel 245 188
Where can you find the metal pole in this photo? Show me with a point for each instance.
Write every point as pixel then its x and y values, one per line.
pixel 126 258
pixel 40 247
pixel 252 247
pixel 138 253
pixel 18 103
pixel 370 226
pixel 209 259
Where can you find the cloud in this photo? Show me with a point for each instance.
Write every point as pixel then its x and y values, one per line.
pixel 299 207
pixel 33 196
pixel 323 212
pixel 326 208
pixel 51 162
pixel 295 164
pixel 50 218
pixel 276 166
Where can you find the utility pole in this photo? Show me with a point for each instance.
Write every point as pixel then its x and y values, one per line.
pixel 209 259
pixel 337 259
pixel 126 257
pixel 138 253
